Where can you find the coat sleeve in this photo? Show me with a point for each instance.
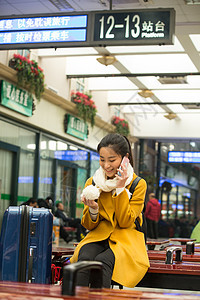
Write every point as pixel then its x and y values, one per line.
pixel 86 220
pixel 126 211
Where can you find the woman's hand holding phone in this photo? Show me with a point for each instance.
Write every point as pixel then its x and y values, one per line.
pixel 122 172
pixel 125 162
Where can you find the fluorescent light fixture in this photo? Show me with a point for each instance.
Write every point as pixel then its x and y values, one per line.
pixel 62 5
pixel 52 145
pixel 192 2
pixel 31 146
pixel 171 147
pixel 193 144
pixel 43 145
pixel 71 147
pixel 173 80
pixel 61 146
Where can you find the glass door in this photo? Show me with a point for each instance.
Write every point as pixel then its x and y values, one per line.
pixel 66 186
pixel 9 169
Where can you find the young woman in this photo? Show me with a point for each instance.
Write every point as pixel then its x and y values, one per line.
pixel 109 215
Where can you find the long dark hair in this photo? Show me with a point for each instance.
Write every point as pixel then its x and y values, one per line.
pixel 119 143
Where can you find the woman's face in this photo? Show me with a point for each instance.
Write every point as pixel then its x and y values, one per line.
pixel 109 161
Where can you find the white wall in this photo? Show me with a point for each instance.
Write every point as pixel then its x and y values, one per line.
pixel 55 74
pixel 4 57
pixel 100 100
pixel 50 118
pixel 188 126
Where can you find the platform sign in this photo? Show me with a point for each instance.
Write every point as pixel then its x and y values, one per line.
pixel 136 27
pixel 102 28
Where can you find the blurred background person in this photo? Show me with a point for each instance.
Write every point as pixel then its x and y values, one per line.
pixel 30 202
pixel 50 203
pixel 152 214
pixel 69 222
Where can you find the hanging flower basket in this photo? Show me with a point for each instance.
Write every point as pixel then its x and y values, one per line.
pixel 29 74
pixel 121 125
pixel 86 108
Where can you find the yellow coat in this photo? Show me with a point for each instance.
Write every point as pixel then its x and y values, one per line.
pixel 115 222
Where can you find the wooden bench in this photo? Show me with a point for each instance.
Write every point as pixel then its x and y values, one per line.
pixel 172 274
pixel 152 243
pixel 29 291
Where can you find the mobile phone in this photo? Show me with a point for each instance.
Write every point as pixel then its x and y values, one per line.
pixel 125 161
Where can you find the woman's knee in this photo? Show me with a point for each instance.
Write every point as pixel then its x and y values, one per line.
pixel 107 258
pixel 85 254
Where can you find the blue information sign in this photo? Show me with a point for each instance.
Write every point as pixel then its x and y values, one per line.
pixel 71 155
pixel 184 157
pixel 43 36
pixel 46 31
pixel 55 22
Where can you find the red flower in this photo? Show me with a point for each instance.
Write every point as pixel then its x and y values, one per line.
pixel 28 72
pixel 40 69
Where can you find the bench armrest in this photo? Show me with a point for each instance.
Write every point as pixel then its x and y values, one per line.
pixel 70 274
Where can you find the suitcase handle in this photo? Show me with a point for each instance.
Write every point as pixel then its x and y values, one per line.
pixel 70 274
pixel 190 248
pixel 169 255
pixel 30 265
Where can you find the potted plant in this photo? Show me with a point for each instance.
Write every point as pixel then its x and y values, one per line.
pixel 29 74
pixel 86 107
pixel 121 125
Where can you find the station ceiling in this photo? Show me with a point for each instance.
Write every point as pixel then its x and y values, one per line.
pixel 173 95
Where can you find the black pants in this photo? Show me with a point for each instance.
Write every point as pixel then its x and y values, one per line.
pixel 77 224
pixel 99 251
pixel 64 234
pixel 152 229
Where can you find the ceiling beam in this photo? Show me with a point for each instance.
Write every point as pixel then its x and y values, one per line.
pixel 133 75
pixel 153 103
pixel 190 49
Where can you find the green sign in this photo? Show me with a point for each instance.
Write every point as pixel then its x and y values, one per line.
pixel 16 99
pixel 76 127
